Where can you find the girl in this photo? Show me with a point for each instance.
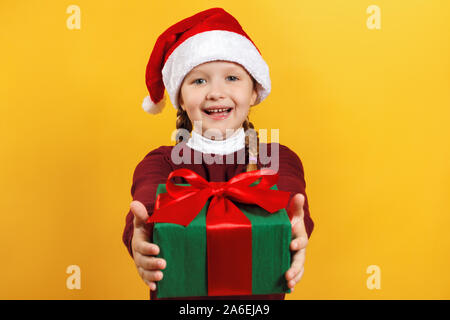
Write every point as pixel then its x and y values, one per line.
pixel 213 73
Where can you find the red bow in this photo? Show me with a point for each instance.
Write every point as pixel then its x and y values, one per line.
pixel 229 236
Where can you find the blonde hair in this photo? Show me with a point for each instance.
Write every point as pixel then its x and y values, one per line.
pixel 251 149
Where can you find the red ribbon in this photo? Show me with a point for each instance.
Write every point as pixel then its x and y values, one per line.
pixel 228 230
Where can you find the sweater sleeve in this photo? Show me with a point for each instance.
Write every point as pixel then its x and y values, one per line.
pixel 151 171
pixel 291 179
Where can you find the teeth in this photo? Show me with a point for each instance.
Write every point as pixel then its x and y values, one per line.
pixel 218 110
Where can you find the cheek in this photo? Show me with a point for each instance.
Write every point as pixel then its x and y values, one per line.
pixel 245 97
pixel 242 111
pixel 193 105
pixel 194 112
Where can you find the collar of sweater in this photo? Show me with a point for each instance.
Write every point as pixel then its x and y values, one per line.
pixel 232 144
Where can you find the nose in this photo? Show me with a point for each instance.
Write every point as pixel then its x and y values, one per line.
pixel 216 91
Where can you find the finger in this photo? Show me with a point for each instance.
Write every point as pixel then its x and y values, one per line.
pixel 300 275
pixel 293 282
pixel 148 275
pixel 141 242
pixel 150 263
pixel 298 260
pixel 151 285
pixel 299 231
pixel 146 248
pixel 296 205
pixel 140 213
pixel 299 243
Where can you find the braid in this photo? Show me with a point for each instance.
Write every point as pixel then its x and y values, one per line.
pixel 183 122
pixel 251 149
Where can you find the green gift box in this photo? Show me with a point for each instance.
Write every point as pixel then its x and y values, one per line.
pixel 185 250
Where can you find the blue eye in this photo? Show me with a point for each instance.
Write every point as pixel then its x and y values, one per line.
pixel 195 81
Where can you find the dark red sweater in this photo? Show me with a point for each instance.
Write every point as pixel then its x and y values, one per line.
pixel 157 165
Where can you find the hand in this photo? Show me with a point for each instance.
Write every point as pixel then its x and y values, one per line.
pixel 143 250
pixel 299 241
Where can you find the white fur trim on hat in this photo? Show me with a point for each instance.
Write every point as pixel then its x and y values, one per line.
pixel 215 45
pixel 154 108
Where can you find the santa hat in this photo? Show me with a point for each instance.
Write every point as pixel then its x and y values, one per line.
pixel 209 35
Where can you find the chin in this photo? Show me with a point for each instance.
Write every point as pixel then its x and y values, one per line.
pixel 222 129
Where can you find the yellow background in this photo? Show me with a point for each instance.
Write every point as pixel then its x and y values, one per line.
pixel 366 110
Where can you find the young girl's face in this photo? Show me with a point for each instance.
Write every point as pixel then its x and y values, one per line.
pixel 217 85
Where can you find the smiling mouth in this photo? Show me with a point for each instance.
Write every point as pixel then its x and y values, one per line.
pixel 223 111
pixel 220 114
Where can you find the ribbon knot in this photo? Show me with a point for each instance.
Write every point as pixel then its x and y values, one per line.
pixel 218 188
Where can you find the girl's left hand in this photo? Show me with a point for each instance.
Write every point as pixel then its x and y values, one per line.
pixel 299 241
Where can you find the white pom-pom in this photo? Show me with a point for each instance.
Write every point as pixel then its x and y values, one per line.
pixel 153 108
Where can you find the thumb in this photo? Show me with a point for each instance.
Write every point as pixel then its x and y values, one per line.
pixel 140 213
pixel 296 207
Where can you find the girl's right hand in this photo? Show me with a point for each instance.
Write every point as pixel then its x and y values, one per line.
pixel 148 266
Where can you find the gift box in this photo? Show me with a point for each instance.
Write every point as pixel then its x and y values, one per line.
pixel 222 238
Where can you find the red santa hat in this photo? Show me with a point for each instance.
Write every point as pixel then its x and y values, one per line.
pixel 209 35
